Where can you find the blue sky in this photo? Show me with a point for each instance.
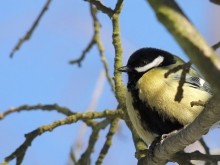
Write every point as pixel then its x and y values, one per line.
pixel 40 73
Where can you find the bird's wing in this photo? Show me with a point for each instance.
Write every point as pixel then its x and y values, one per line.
pixel 195 82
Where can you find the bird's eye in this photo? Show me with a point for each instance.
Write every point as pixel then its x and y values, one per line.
pixel 143 63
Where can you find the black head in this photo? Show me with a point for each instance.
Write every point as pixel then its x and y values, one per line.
pixel 144 60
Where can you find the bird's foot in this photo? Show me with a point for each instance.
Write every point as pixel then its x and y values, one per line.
pixel 165 136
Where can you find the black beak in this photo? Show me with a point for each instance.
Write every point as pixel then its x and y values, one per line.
pixel 124 69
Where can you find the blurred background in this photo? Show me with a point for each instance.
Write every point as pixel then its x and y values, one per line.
pixel 40 73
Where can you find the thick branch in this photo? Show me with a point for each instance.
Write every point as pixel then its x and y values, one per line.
pixel 200 53
pixel 116 40
pixel 199 156
pixel 31 30
pixel 188 135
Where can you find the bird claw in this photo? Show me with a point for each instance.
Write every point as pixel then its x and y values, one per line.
pixel 165 136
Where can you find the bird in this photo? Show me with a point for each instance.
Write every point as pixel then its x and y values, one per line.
pixel 151 91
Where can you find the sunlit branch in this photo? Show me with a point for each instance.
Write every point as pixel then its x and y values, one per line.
pixel 108 142
pixel 21 150
pixel 47 107
pixel 86 156
pixel 195 46
pixel 96 40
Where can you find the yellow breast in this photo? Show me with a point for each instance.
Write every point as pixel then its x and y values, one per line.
pixel 159 92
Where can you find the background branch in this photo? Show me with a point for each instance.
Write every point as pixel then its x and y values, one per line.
pixel 108 142
pixel 47 107
pixel 170 14
pixel 31 30
pixel 86 156
pixel 21 150
pixel 96 40
pixel 213 159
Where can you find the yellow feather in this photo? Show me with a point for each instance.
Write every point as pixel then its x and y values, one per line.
pixel 159 92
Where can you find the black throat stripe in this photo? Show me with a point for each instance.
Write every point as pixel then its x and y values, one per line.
pixel 150 118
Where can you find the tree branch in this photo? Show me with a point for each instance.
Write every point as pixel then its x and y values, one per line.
pixel 83 55
pixel 31 30
pixel 108 142
pixel 21 150
pixel 185 69
pixel 116 40
pixel 101 7
pixel 86 156
pixel 206 148
pixel 213 159
pixel 47 107
pixel 200 53
pixel 217 2
pixel 96 40
pixel 188 135
pixel 216 46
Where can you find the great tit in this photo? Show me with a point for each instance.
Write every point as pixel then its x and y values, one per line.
pixel 150 97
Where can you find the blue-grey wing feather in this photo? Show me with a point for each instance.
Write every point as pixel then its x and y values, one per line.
pixel 196 82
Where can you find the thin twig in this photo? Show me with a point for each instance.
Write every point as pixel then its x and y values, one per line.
pixel 108 142
pixel 47 107
pixel 85 51
pixel 197 103
pixel 101 7
pixel 72 156
pixel 185 69
pixel 96 40
pixel 86 156
pixel 21 150
pixel 217 45
pixel 91 108
pixel 206 148
pixel 31 30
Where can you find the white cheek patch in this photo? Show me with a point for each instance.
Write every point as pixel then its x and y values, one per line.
pixel 156 62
